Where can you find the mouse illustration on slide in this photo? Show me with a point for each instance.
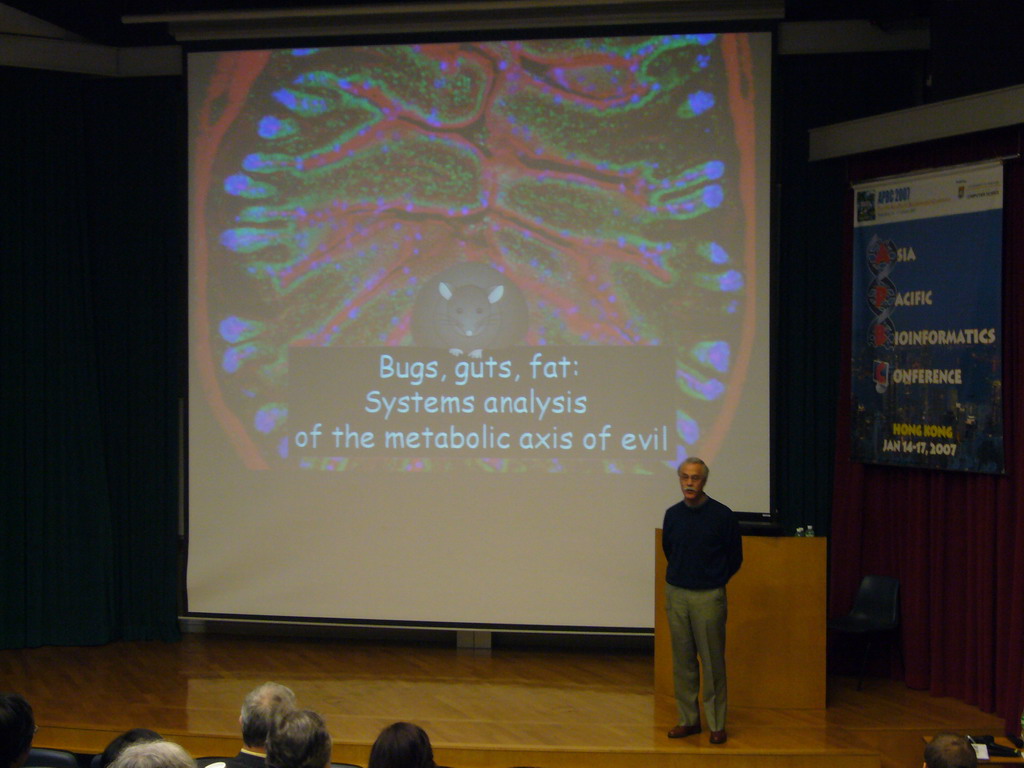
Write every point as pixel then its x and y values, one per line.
pixel 468 308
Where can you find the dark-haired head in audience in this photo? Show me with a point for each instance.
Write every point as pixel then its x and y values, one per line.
pixel 154 754
pixel 950 750
pixel 299 739
pixel 402 745
pixel 134 736
pixel 17 727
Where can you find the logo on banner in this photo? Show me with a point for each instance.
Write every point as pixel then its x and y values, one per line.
pixel 881 254
pixel 881 376
pixel 865 205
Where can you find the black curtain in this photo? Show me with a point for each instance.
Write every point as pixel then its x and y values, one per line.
pixel 92 247
pixel 810 205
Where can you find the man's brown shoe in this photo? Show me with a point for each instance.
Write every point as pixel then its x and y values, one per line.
pixel 718 737
pixel 682 731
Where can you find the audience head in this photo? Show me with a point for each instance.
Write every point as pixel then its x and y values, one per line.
pixel 402 745
pixel 134 736
pixel 949 750
pixel 261 708
pixel 154 754
pixel 17 727
pixel 299 739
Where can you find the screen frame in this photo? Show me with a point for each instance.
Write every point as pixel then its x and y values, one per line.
pixel 752 523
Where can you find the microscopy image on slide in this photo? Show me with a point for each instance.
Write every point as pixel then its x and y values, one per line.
pixel 474 201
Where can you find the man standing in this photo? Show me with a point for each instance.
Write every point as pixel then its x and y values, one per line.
pixel 702 542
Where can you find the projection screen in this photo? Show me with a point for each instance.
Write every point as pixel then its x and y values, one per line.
pixel 456 312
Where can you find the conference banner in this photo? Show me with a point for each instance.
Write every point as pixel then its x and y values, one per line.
pixel 927 364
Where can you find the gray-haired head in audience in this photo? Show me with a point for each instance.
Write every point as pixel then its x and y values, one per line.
pixel 299 739
pixel 118 744
pixel 154 754
pixel 950 750
pixel 261 708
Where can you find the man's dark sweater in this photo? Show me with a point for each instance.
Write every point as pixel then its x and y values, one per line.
pixel 703 544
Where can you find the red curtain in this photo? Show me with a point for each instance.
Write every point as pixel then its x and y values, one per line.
pixel 955 540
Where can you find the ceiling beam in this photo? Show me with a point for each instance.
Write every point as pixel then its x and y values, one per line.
pixel 940 120
pixel 360 19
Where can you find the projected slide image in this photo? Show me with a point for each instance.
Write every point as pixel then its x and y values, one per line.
pixel 507 255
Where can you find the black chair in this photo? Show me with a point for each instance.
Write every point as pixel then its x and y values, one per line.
pixel 38 757
pixel 875 616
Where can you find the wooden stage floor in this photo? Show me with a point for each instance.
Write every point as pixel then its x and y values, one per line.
pixel 482 709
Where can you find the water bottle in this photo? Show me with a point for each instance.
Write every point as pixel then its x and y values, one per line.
pixel 810 530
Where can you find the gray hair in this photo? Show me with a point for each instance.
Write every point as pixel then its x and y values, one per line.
pixel 261 708
pixel 694 460
pixel 154 754
pixel 299 739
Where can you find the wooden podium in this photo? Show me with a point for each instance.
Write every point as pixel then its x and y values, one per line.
pixel 775 636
